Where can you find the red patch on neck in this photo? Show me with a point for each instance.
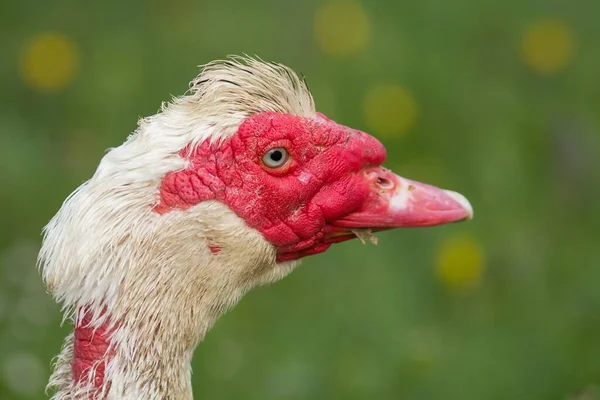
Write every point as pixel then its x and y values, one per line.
pixel 214 248
pixel 90 351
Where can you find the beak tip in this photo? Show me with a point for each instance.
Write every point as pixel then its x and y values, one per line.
pixel 462 200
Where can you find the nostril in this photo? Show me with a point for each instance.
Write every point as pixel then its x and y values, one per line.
pixel 384 183
pixel 380 178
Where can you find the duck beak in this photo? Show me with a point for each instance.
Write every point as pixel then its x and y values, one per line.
pixel 397 202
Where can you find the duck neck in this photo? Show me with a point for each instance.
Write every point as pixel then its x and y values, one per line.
pixel 140 314
pixel 149 359
pixel 141 346
pixel 144 350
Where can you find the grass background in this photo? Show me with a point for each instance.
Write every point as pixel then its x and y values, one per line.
pixel 497 100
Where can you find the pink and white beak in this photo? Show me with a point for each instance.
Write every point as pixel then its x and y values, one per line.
pixel 396 202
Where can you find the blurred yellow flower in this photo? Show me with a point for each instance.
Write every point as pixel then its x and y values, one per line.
pixel 342 28
pixel 547 46
pixel 460 263
pixel 390 110
pixel 49 62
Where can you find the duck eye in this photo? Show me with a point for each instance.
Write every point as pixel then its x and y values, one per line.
pixel 275 158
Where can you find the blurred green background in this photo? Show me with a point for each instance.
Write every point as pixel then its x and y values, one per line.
pixel 497 100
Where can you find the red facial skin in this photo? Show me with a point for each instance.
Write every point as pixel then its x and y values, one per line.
pixel 293 205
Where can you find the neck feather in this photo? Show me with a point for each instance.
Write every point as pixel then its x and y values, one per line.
pixel 97 362
pixel 137 339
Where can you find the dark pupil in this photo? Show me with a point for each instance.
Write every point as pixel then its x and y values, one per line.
pixel 276 155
